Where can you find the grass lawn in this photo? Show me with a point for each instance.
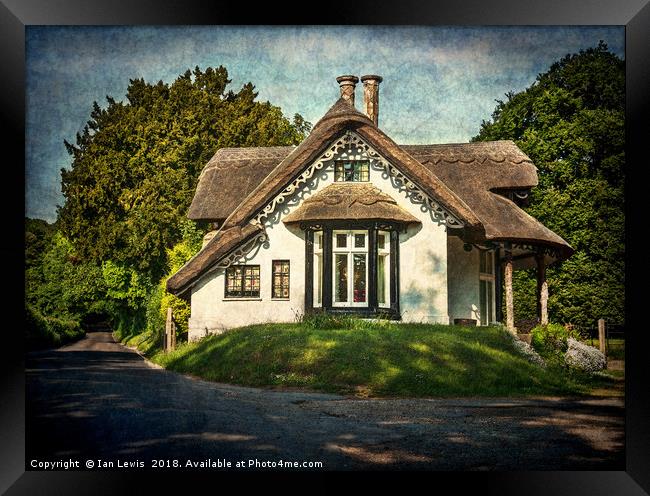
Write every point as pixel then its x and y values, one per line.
pixel 379 359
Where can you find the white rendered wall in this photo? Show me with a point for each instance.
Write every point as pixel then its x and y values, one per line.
pixel 423 267
pixel 463 279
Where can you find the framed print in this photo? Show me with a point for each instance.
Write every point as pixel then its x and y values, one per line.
pixel 379 243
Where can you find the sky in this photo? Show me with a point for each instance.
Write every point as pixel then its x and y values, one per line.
pixel 439 82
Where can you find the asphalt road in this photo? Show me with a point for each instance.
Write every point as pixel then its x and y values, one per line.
pixel 98 400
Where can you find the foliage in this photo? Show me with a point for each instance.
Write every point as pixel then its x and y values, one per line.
pixel 570 122
pixel 58 282
pixel 159 299
pixel 584 357
pixel 48 332
pixel 550 340
pixel 136 163
pixel 408 360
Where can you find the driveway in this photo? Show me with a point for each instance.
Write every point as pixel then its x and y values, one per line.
pixel 96 399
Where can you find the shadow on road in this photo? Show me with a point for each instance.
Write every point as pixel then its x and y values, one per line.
pixel 97 399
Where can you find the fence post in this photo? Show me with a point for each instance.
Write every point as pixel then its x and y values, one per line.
pixel 602 343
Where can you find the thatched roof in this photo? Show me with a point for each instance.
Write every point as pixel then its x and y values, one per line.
pixel 229 176
pixel 350 201
pixel 474 171
pixel 238 182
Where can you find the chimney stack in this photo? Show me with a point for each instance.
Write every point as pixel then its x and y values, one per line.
pixel 371 96
pixel 347 84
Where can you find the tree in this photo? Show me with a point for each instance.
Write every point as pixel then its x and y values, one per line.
pixel 136 164
pixel 570 122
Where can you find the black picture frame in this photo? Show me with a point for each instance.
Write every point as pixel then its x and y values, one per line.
pixel 633 14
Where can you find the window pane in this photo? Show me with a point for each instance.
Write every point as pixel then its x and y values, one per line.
pixel 341 278
pixel 352 170
pixel 381 279
pixel 319 278
pixel 482 264
pixel 381 241
pixel 359 240
pixel 317 240
pixel 488 263
pixel 489 288
pixel 242 280
pixel 359 277
pixel 363 173
pixel 338 172
pixel 341 240
pixel 483 301
pixel 280 279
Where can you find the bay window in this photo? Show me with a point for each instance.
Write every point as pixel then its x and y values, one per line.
pixel 352 269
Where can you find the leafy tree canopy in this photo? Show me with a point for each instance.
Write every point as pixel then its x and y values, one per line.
pixel 570 122
pixel 136 163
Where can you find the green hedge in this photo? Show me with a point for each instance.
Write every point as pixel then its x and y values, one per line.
pixel 49 332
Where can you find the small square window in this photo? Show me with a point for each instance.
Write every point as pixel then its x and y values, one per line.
pixel 341 240
pixel 280 279
pixel 381 241
pixel 243 281
pixel 359 240
pixel 354 171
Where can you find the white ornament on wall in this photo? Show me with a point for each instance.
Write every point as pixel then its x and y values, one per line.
pixel 352 146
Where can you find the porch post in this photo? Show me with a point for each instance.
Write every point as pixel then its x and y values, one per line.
pixel 542 290
pixel 510 310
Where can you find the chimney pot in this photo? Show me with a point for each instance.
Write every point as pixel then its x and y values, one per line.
pixel 371 96
pixel 347 83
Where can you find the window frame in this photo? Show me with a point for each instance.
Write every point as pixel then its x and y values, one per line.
pixel 350 250
pixel 317 268
pixel 487 277
pixel 273 277
pixel 365 172
pixel 384 252
pixel 245 268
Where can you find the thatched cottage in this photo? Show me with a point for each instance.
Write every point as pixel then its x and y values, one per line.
pixel 350 221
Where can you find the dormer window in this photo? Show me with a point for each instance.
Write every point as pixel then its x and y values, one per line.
pixel 351 170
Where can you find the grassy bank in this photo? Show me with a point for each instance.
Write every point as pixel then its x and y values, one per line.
pixel 374 360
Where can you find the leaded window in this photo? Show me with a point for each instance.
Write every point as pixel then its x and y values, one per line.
pixel 243 281
pixel 383 268
pixel 318 269
pixel 486 286
pixel 280 277
pixel 350 264
pixel 351 170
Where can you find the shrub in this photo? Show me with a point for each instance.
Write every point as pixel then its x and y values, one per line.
pixel 551 339
pixel 584 357
pixel 48 332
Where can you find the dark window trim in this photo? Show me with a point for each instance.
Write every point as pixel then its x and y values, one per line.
pixel 273 262
pixel 355 163
pixel 373 309
pixel 241 285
